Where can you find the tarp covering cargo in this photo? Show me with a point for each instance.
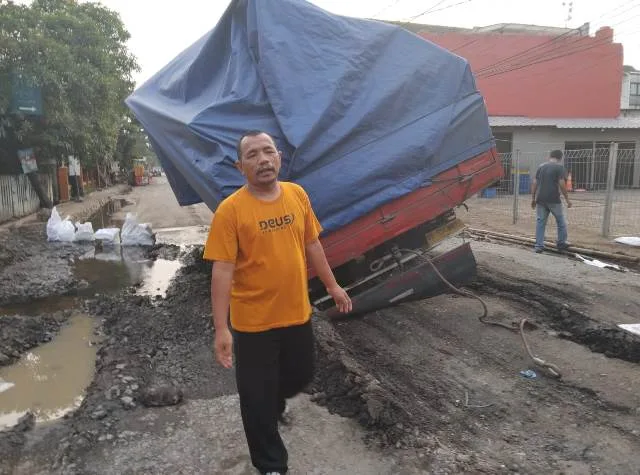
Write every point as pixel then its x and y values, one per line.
pixel 363 111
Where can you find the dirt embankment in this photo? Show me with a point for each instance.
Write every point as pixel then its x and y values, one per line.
pixel 31 268
pixel 19 334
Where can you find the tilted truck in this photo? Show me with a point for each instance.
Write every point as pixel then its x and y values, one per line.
pixel 386 132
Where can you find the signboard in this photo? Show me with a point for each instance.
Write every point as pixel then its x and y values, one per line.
pixel 28 160
pixel 74 166
pixel 26 96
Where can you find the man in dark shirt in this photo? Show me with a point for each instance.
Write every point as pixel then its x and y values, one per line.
pixel 550 180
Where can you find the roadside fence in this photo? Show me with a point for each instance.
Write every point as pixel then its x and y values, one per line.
pixel 604 187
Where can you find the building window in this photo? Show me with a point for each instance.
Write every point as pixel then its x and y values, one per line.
pixel 588 163
pixel 634 94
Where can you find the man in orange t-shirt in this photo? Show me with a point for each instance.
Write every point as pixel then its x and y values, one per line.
pixel 260 239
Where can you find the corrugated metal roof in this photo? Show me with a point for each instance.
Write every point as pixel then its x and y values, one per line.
pixel 617 123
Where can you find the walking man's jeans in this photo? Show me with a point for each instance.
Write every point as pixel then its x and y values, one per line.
pixel 271 367
pixel 542 214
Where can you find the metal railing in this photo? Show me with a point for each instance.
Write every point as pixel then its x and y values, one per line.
pixel 604 185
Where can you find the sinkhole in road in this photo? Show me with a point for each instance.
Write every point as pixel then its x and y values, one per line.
pixel 51 379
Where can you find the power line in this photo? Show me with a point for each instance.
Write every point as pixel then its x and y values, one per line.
pixel 451 6
pixel 427 11
pixel 468 43
pixel 618 8
pixel 559 74
pixel 567 52
pixel 434 9
pixel 574 72
pixel 550 41
pixel 392 4
pixel 569 49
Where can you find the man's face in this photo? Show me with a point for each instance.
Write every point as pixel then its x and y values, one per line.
pixel 260 160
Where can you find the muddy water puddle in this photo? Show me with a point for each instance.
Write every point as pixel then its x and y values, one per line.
pixel 107 272
pixel 103 218
pixel 38 307
pixel 51 379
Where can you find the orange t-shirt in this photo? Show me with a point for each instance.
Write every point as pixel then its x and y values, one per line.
pixel 267 242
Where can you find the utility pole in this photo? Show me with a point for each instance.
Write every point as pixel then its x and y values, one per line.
pixel 516 186
pixel 611 184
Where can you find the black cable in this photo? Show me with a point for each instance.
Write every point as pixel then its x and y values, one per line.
pixel 566 53
pixel 392 4
pixel 550 41
pixel 432 10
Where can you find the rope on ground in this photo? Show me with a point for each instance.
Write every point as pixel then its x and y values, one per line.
pixel 464 293
pixel 550 367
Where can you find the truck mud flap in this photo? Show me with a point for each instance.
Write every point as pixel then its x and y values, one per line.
pixel 417 282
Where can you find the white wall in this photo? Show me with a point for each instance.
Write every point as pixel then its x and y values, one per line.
pixel 626 88
pixel 535 143
pixel 624 98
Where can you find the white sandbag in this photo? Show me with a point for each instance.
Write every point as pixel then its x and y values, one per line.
pixel 629 240
pixel 135 234
pixel 59 229
pixel 66 230
pixel 108 236
pixel 84 232
pixel 52 225
pixel 5 386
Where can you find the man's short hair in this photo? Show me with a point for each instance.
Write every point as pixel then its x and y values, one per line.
pixel 250 133
pixel 557 154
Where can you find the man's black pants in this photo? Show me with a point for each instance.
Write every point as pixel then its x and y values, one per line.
pixel 271 366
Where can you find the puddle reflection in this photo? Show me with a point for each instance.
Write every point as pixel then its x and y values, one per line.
pixel 117 268
pixel 51 379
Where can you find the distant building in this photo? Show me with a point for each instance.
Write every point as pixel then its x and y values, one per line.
pixel 548 88
pixel 630 99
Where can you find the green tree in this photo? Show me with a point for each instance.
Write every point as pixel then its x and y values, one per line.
pixel 76 54
pixel 133 144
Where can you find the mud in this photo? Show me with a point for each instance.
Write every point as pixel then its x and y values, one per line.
pixel 552 307
pixel 19 333
pixel 155 352
pixel 430 380
pixel 34 269
pixel 435 389
pixel 49 381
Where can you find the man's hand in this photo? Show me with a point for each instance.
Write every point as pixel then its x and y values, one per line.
pixel 223 347
pixel 569 203
pixel 341 298
pixel 318 260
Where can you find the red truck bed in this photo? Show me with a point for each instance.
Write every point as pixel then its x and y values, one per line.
pixel 449 189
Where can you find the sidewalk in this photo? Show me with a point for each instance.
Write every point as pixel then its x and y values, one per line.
pixel 77 210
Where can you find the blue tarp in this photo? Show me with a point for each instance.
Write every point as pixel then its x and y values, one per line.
pixel 363 111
